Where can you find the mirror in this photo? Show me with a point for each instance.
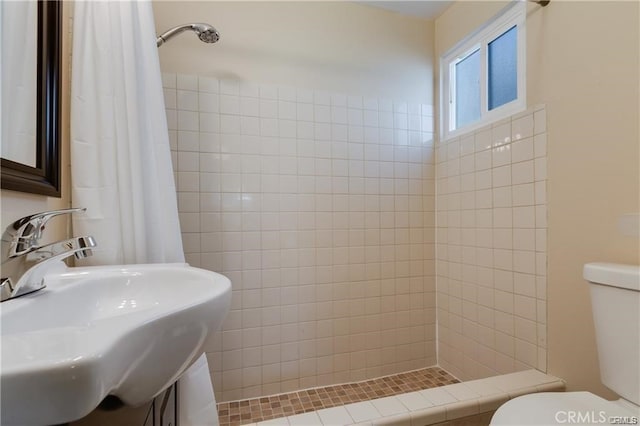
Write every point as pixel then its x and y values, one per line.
pixel 30 84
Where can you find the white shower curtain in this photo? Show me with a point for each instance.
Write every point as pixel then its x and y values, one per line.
pixel 120 156
pixel 121 162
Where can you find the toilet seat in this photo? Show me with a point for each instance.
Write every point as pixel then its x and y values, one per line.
pixel 553 408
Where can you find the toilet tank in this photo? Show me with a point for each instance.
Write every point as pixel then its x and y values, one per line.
pixel 615 300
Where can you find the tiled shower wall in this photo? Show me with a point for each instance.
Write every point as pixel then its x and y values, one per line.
pixel 491 248
pixel 320 209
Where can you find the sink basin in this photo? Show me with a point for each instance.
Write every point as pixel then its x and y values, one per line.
pixel 128 331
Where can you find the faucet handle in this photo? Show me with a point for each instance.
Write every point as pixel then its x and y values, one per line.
pixel 25 233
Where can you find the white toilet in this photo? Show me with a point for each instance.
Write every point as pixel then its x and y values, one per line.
pixel 615 298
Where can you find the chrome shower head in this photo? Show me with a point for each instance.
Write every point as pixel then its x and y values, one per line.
pixel 205 32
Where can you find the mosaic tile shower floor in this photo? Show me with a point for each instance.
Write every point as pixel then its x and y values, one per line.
pixel 287 404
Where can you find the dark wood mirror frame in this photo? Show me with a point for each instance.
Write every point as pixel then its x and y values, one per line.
pixel 43 179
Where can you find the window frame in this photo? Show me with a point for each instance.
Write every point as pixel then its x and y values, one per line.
pixel 513 15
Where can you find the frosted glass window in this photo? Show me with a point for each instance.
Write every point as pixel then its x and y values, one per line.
pixel 503 69
pixel 468 89
pixel 482 78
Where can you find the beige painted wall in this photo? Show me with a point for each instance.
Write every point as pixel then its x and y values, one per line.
pixel 335 46
pixel 15 205
pixel 582 62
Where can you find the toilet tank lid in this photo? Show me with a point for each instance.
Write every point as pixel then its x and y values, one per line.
pixel 612 274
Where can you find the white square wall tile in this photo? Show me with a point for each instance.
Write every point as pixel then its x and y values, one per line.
pixel 188 120
pixel 268 108
pixel 287 93
pixel 250 126
pixel 304 96
pixel 540 168
pixel 541 240
pixel 188 162
pixel 389 406
pixel 188 182
pixel 501 155
pixel 304 112
pixel 414 401
pixel 355 117
pixel 187 82
pixel 501 134
pixel 306 419
pixel 168 80
pixel 526 353
pixel 483 160
pixel 501 176
pixel 321 98
pixel 525 307
pixel 502 197
pixel 482 387
pixel 354 101
pixel 209 142
pixel 229 87
pixel 524 239
pixel 541 216
pixel 523 195
pixel 522 172
pixel 170 101
pixel 524 217
pixel 438 396
pixel 370 103
pixel 339 114
pixel 362 411
pixel 483 179
pixel 429 416
pixel 338 100
pixel 467 145
pixel 211 122
pixel 282 421
pixel 229 104
pixel 519 380
pixel 287 110
pixel 462 409
pixel 208 102
pixel 335 416
pixel 249 89
pixel 540 145
pixel 522 127
pixel 385 104
pixel 208 84
pixel 188 141
pixel 397 420
pixel 229 124
pixel 187 100
pixel 400 107
pixel 540 122
pixel 482 140
pixel 522 150
pixel 524 261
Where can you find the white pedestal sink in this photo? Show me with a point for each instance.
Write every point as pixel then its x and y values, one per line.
pixel 128 331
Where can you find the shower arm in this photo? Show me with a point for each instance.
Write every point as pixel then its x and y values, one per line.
pixel 162 38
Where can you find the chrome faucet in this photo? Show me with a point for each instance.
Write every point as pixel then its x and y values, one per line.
pixel 24 257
